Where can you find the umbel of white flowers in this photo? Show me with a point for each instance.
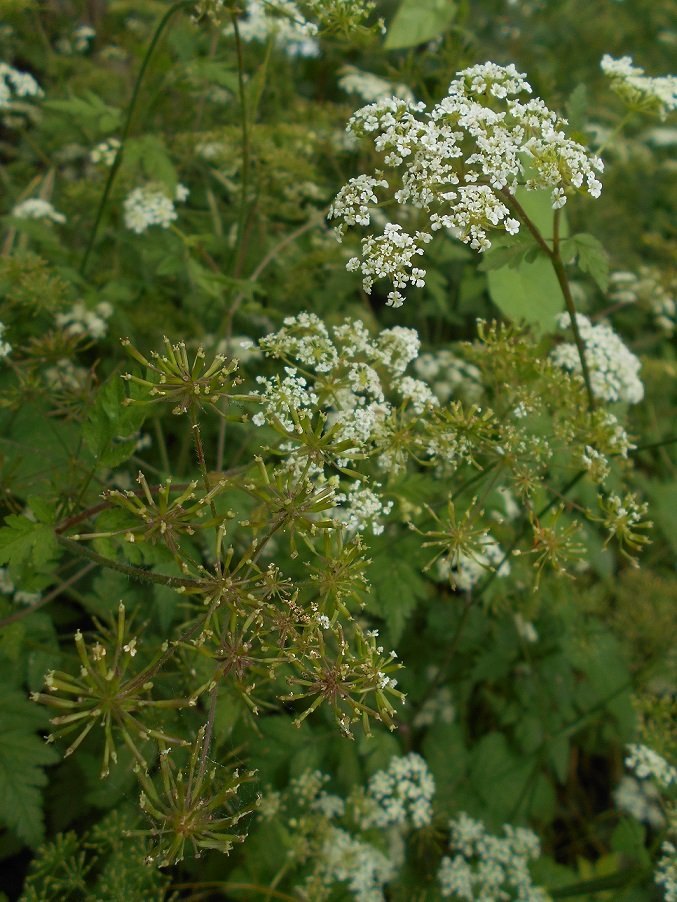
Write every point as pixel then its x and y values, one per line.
pixel 639 91
pixel 460 163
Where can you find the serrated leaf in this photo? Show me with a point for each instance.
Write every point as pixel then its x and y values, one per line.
pixel 590 255
pixel 397 586
pixel 23 542
pixel 110 424
pixel 418 21
pixel 510 252
pixel 22 758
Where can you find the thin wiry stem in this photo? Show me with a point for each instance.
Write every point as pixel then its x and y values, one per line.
pixel 125 131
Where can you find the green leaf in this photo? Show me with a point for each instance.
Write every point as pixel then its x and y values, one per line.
pixel 577 107
pixel 629 838
pixel 89 112
pixel 22 758
pixel 528 292
pixel 418 21
pixel 24 542
pixel 396 586
pixel 590 256
pixel 507 252
pixel 110 424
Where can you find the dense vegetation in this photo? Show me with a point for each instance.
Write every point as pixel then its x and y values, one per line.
pixel 337 465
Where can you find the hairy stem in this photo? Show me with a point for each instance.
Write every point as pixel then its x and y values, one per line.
pixel 147 576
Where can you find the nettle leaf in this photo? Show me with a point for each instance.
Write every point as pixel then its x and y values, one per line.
pixel 590 256
pixel 418 21
pixel 23 756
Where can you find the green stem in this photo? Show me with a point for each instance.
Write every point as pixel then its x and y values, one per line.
pixel 558 266
pixel 125 131
pixel 242 216
pixel 554 255
pixel 600 884
pixel 148 576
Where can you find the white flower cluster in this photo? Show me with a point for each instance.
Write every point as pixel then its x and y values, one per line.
pixel 388 256
pixel 640 91
pixel 370 87
pixel 363 509
pixel 80 320
pixel 283 21
pixel 401 795
pixel 647 763
pixel 614 369
pixel 666 871
pixel 447 374
pixel 346 377
pixel 465 572
pixel 462 162
pixel 438 708
pixel 14 83
pixel 354 198
pixel 5 346
pixel 36 208
pixel 646 288
pixel 152 205
pixel 284 398
pixel 79 42
pixel 105 152
pixel 363 868
pixel 487 868
pixel 641 799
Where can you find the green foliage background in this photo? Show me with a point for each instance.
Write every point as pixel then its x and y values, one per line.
pixel 539 729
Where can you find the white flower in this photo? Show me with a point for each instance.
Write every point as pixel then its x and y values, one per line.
pixel 282 398
pixel 649 764
pixel 105 152
pixel 484 867
pixel 391 256
pixel 352 202
pixel 19 84
pixel 459 164
pixel 614 369
pixel 641 799
pixel 5 346
pixel 36 208
pixel 417 393
pixel 401 795
pixel 80 320
pixel 363 868
pixel 666 871
pixel 637 90
pixel 371 87
pixel 363 509
pixel 281 20
pixel 466 572
pixel 151 205
pixel 82 36
pixel 6 584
